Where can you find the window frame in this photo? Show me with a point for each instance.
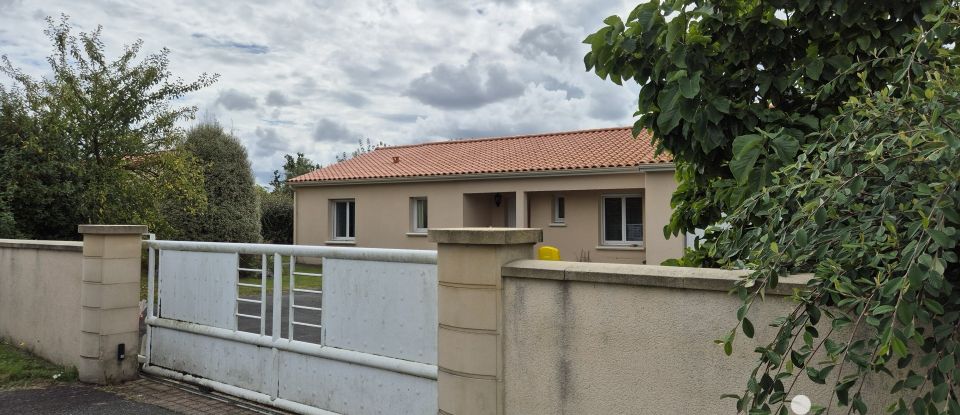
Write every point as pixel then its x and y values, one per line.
pixel 623 220
pixel 556 219
pixel 415 215
pixel 351 226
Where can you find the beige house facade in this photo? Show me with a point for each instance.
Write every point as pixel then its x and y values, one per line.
pixel 602 212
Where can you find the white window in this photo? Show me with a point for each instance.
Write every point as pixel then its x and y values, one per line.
pixel 418 215
pixel 343 219
pixel 559 210
pixel 622 220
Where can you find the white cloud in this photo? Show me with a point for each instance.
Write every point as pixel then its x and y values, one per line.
pixel 315 76
pixel 552 40
pixel 328 130
pixel 465 87
pixel 276 98
pixel 235 100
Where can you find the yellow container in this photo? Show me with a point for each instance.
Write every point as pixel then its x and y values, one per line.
pixel 548 253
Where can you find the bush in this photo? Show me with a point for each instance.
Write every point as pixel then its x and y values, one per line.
pixel 233 210
pixel 276 217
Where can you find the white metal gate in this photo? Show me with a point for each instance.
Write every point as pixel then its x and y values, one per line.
pixel 372 351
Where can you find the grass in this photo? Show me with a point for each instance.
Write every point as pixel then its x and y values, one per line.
pixel 21 369
pixel 305 282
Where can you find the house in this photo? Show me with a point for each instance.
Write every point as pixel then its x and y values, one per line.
pixel 599 195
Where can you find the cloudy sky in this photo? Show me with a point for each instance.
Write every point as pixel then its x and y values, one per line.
pixel 314 77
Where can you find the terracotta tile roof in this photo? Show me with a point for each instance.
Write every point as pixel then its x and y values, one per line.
pixel 587 149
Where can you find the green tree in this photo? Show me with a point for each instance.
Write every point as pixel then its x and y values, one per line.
pixel 277 214
pixel 232 213
pixel 96 141
pixel 8 225
pixel 292 167
pixel 849 169
pixel 713 73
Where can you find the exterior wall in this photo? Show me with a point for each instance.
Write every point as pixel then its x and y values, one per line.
pixel 383 211
pixel 657 211
pixel 611 338
pixel 40 297
pixel 75 303
pixel 579 237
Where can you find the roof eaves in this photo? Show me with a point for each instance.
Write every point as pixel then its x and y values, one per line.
pixel 484 175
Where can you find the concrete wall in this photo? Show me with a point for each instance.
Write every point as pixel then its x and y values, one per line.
pixel 75 303
pixel 383 212
pixel 610 338
pixel 40 297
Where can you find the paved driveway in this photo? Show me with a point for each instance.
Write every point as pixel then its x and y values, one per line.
pixel 146 396
pixel 74 400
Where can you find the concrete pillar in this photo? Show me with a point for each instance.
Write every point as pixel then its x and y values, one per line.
pixel 521 209
pixel 660 186
pixel 470 311
pixel 109 299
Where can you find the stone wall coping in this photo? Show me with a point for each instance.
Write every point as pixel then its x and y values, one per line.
pixel 486 236
pixel 710 279
pixel 112 229
pixel 71 246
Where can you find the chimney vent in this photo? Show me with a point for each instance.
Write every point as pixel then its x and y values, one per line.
pixel 396 159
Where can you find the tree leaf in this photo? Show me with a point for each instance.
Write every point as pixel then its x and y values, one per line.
pixel 747 328
pixel 669 116
pixel 786 147
pixel 675 28
pixel 722 104
pixel 942 239
pixel 947 364
pixel 814 69
pixel 933 305
pixel 746 150
pixel 690 86
pixel 898 346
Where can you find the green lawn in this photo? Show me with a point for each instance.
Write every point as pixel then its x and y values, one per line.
pixel 305 282
pixel 19 369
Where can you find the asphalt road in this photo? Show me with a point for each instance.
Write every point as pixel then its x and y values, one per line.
pixel 72 400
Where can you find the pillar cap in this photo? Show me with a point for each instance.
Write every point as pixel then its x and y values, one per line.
pixel 486 236
pixel 112 229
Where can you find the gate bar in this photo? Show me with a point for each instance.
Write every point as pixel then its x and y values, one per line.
pixel 293 289
pixel 263 294
pixel 151 289
pixel 408 367
pixel 414 256
pixel 277 294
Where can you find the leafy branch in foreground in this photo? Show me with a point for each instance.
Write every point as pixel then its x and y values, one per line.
pixel 712 71
pixel 871 206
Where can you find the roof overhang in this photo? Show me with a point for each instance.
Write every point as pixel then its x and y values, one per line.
pixel 642 168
